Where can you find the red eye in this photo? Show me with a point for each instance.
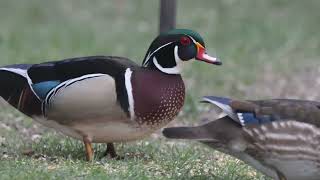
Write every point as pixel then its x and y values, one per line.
pixel 185 41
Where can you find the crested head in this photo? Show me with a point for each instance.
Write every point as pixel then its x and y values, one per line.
pixel 170 49
pixel 195 35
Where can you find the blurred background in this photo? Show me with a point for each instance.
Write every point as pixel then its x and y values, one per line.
pixel 269 49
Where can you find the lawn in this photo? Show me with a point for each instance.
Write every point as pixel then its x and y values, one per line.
pixel 269 49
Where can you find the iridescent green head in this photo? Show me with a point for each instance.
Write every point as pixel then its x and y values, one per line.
pixel 196 36
pixel 170 49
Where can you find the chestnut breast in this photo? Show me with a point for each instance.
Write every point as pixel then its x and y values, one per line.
pixel 158 97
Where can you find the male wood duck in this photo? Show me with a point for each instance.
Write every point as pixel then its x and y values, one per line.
pixel 106 99
pixel 279 137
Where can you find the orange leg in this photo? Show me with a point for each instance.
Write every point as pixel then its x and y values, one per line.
pixel 88 147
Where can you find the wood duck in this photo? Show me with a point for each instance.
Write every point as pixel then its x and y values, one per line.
pixel 106 99
pixel 279 137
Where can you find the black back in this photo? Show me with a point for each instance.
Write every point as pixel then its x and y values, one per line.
pixel 16 88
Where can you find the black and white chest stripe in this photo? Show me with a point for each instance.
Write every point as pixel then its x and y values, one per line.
pixel 128 86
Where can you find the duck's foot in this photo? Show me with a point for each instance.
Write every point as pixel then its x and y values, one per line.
pixel 88 147
pixel 112 152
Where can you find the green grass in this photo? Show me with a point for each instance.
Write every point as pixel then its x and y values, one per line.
pixel 59 157
pixel 265 46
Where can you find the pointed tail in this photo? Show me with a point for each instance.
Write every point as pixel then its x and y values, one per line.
pixel 15 89
pixel 12 86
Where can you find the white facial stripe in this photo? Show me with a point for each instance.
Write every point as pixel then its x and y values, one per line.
pixel 176 55
pixel 150 54
pixel 194 41
pixel 174 70
pixel 177 58
pixel 128 84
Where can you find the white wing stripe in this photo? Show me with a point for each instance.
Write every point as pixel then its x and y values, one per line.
pixel 62 85
pixel 227 109
pixel 240 116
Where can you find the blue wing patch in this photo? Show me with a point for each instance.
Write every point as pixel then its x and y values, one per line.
pixel 250 119
pixel 247 118
pixel 42 88
pixel 241 117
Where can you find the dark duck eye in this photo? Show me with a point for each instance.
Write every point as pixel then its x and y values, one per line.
pixel 185 41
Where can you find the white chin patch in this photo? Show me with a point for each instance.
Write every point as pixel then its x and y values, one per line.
pixel 173 70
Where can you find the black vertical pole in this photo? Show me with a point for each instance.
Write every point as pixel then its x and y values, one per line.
pixel 167 15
